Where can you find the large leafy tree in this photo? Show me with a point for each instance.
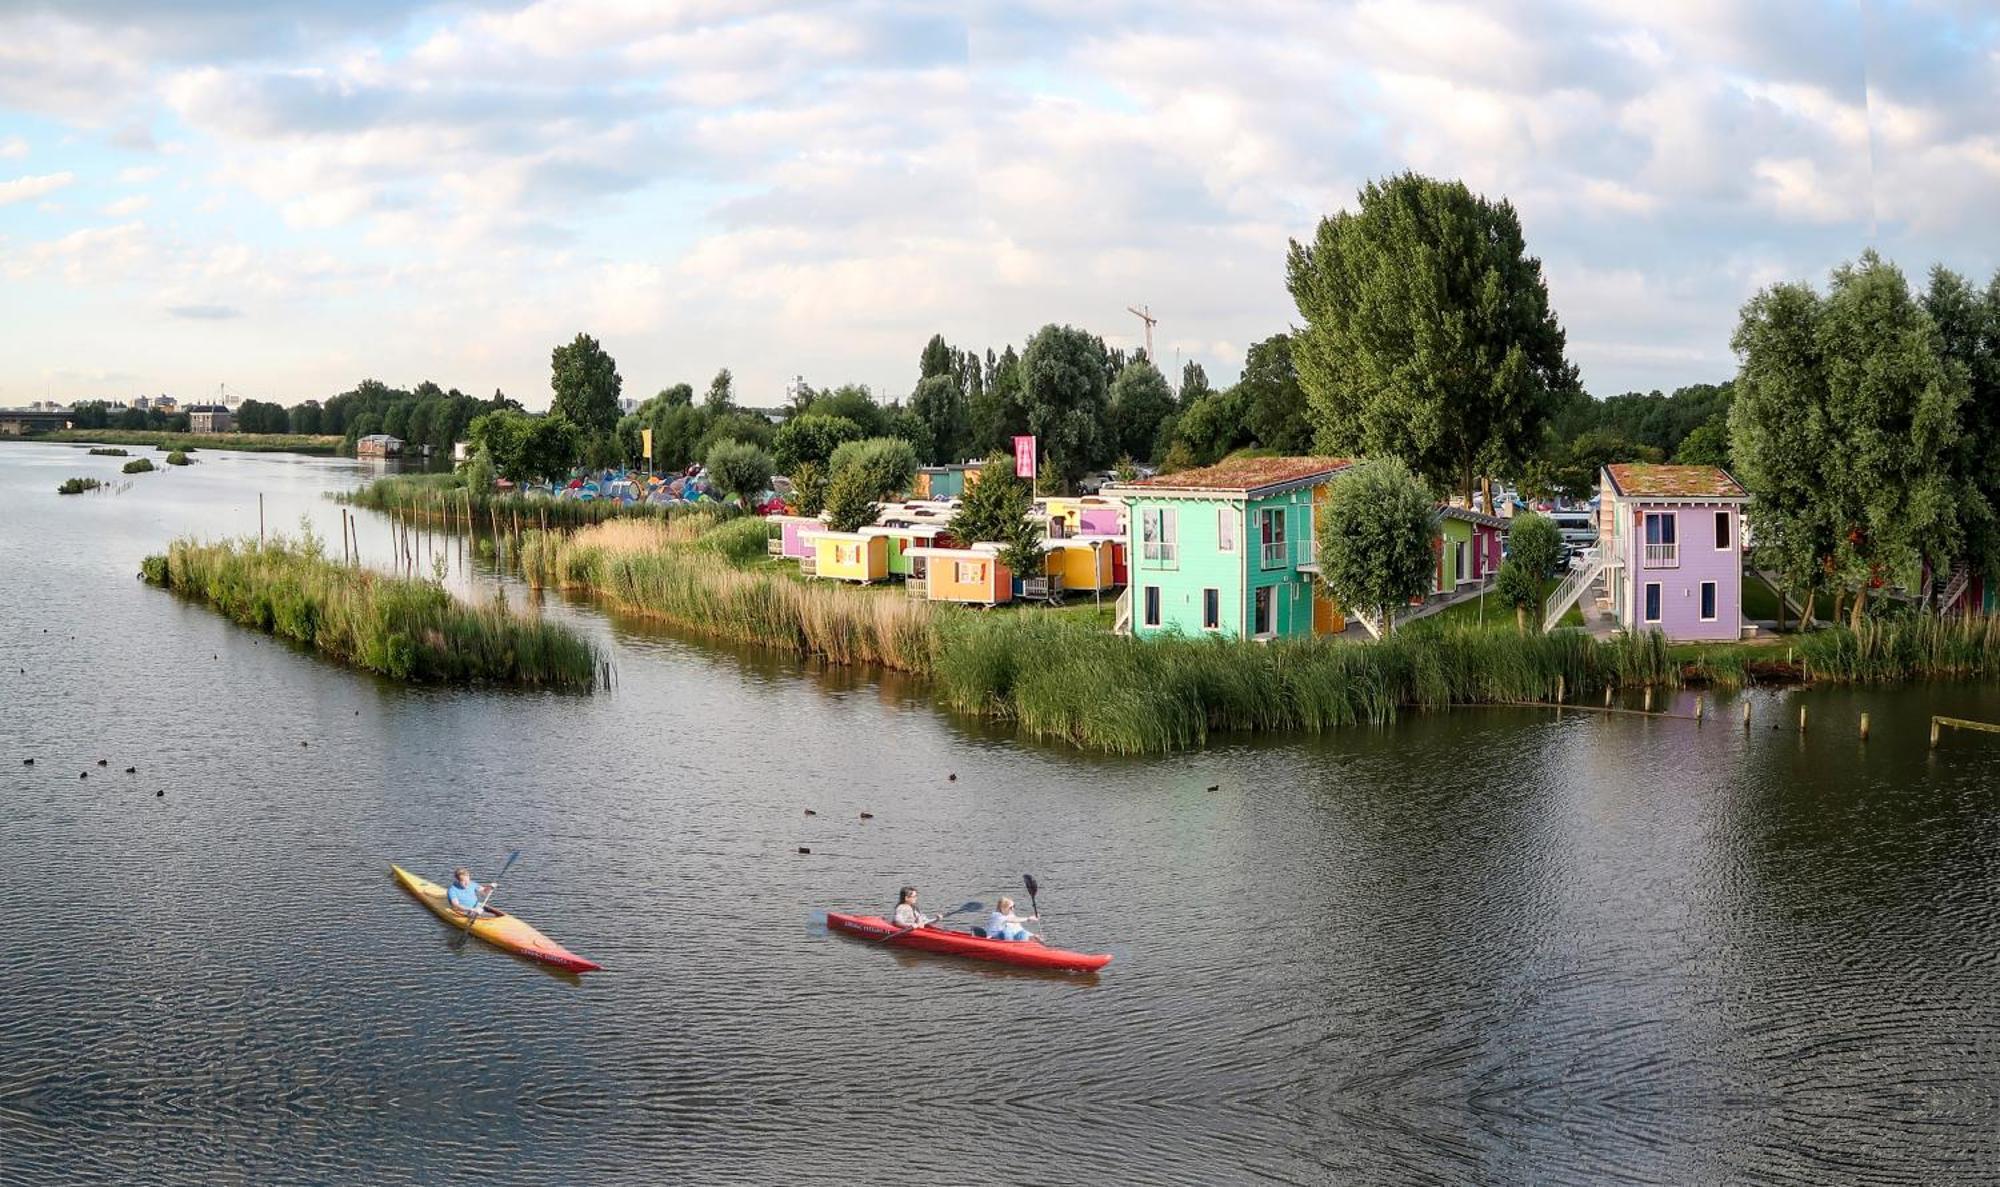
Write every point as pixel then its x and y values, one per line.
pixel 887 465
pixel 739 469
pixel 1140 402
pixel 1968 324
pixel 1428 334
pixel 998 413
pixel 1375 538
pixel 586 384
pixel 1274 405
pixel 811 438
pixel 1066 394
pixel 992 508
pixel 850 504
pixel 939 404
pixel 1846 428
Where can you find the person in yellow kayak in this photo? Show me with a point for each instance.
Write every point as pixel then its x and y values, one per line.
pixel 466 896
pixel 906 914
pixel 1003 924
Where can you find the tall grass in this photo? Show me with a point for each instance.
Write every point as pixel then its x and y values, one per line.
pixel 404 628
pixel 442 499
pixel 1896 649
pixel 164 439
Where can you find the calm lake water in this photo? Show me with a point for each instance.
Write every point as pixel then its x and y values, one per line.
pixel 1489 946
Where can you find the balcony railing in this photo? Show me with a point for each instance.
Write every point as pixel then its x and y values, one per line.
pixel 1157 555
pixel 1277 554
pixel 1661 556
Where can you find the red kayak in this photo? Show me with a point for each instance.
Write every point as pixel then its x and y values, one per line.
pixel 1031 954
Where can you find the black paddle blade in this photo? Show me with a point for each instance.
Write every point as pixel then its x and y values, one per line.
pixel 1028 880
pixel 971 906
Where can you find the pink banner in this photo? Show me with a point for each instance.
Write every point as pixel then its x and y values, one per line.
pixel 1024 457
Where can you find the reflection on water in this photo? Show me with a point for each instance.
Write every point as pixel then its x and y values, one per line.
pixel 1495 945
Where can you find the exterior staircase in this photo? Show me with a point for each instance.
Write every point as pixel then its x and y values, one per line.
pixel 1121 622
pixel 1581 578
pixel 1954 589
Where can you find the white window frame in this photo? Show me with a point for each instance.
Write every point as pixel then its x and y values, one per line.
pixel 977 569
pixel 1225 529
pixel 1215 593
pixel 1269 593
pixel 1725 531
pixel 1163 550
pixel 1711 593
pixel 1660 602
pixel 1149 605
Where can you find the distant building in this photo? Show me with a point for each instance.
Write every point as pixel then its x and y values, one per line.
pixel 142 403
pixel 461 451
pixel 210 418
pixel 166 404
pixel 378 445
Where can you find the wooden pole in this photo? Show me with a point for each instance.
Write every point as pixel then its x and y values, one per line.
pixel 1746 715
pixel 1649 698
pixel 1864 727
pixel 260 517
pixel 1802 719
pixel 1697 708
pixel 1935 727
pixel 1607 696
pixel 1560 689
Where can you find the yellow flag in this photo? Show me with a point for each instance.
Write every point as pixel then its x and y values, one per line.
pixel 646 435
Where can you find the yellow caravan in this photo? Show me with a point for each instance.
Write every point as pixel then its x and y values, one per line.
pixel 846 556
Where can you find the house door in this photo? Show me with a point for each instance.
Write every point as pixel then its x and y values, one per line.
pixel 1458 562
pixel 1260 617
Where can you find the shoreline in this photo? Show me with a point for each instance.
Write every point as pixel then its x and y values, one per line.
pixel 310 446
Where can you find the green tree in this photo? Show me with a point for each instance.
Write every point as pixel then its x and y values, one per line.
pixel 992 507
pixel 1067 399
pixel 586 384
pixel 999 413
pixel 1274 405
pixel 808 488
pixel 721 395
pixel 1213 427
pixel 479 473
pixel 887 465
pixel 1140 401
pixel 739 469
pixel 1707 445
pixel 1375 538
pixel 1968 324
pixel 1534 550
pixel 1194 383
pixel 939 403
pixel 550 448
pixel 1428 331
pixel 850 504
pixel 937 359
pixel 855 402
pixel 1845 427
pixel 811 438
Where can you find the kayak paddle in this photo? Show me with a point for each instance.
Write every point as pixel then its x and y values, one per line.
pixel 473 916
pixel 1034 908
pixel 960 910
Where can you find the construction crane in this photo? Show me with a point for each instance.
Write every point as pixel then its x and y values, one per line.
pixel 1145 314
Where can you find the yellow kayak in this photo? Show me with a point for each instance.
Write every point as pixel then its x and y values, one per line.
pixel 497 928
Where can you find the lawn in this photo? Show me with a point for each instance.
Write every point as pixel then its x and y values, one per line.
pixel 1498 615
pixel 1760 601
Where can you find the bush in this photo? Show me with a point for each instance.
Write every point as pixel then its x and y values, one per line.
pixel 886 465
pixel 110 451
pixel 76 486
pixel 178 457
pixel 811 437
pixel 140 466
pixel 850 500
pixel 808 489
pixel 740 469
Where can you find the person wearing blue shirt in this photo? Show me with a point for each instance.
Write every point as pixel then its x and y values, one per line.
pixel 466 896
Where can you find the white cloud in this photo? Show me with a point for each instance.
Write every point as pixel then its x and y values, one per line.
pixel 23 189
pixel 127 206
pixel 13 147
pixel 138 174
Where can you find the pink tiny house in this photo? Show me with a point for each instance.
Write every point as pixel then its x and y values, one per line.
pixel 1671 542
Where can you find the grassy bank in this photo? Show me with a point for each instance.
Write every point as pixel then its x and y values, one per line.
pixel 247 442
pixel 1061 676
pixel 442 499
pixel 1904 648
pixel 403 628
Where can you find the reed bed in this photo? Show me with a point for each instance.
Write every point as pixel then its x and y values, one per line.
pixel 1897 649
pixel 407 629
pixel 165 439
pixel 443 499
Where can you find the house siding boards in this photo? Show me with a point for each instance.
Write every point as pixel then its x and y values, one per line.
pixel 849 556
pixel 1699 554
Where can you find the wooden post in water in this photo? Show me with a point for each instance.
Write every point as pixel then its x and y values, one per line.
pixel 1746 714
pixel 1802 719
pixel 1607 696
pixel 1697 708
pixel 1864 727
pixel 1561 687
pixel 1935 728
pixel 260 517
pixel 1649 698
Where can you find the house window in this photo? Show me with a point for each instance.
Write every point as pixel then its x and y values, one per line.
pixel 1225 529
pixel 1261 616
pixel 1662 549
pixel 1211 609
pixel 1722 531
pixel 1652 601
pixel 1271 528
pixel 1158 538
pixel 1708 601
pixel 1458 572
pixel 1152 606
pixel 1058 528
pixel 969 572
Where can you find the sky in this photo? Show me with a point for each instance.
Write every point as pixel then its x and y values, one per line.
pixel 289 198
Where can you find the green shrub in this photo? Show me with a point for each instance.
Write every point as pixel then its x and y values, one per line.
pixel 76 486
pixel 178 458
pixel 109 451
pixel 140 465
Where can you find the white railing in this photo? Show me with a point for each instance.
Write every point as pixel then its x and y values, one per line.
pixel 1572 587
pixel 775 546
pixel 1159 555
pixel 1277 554
pixel 1661 556
pixel 1961 578
pixel 1121 614
pixel 1309 551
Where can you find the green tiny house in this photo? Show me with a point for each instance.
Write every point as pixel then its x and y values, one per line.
pixel 1224 550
